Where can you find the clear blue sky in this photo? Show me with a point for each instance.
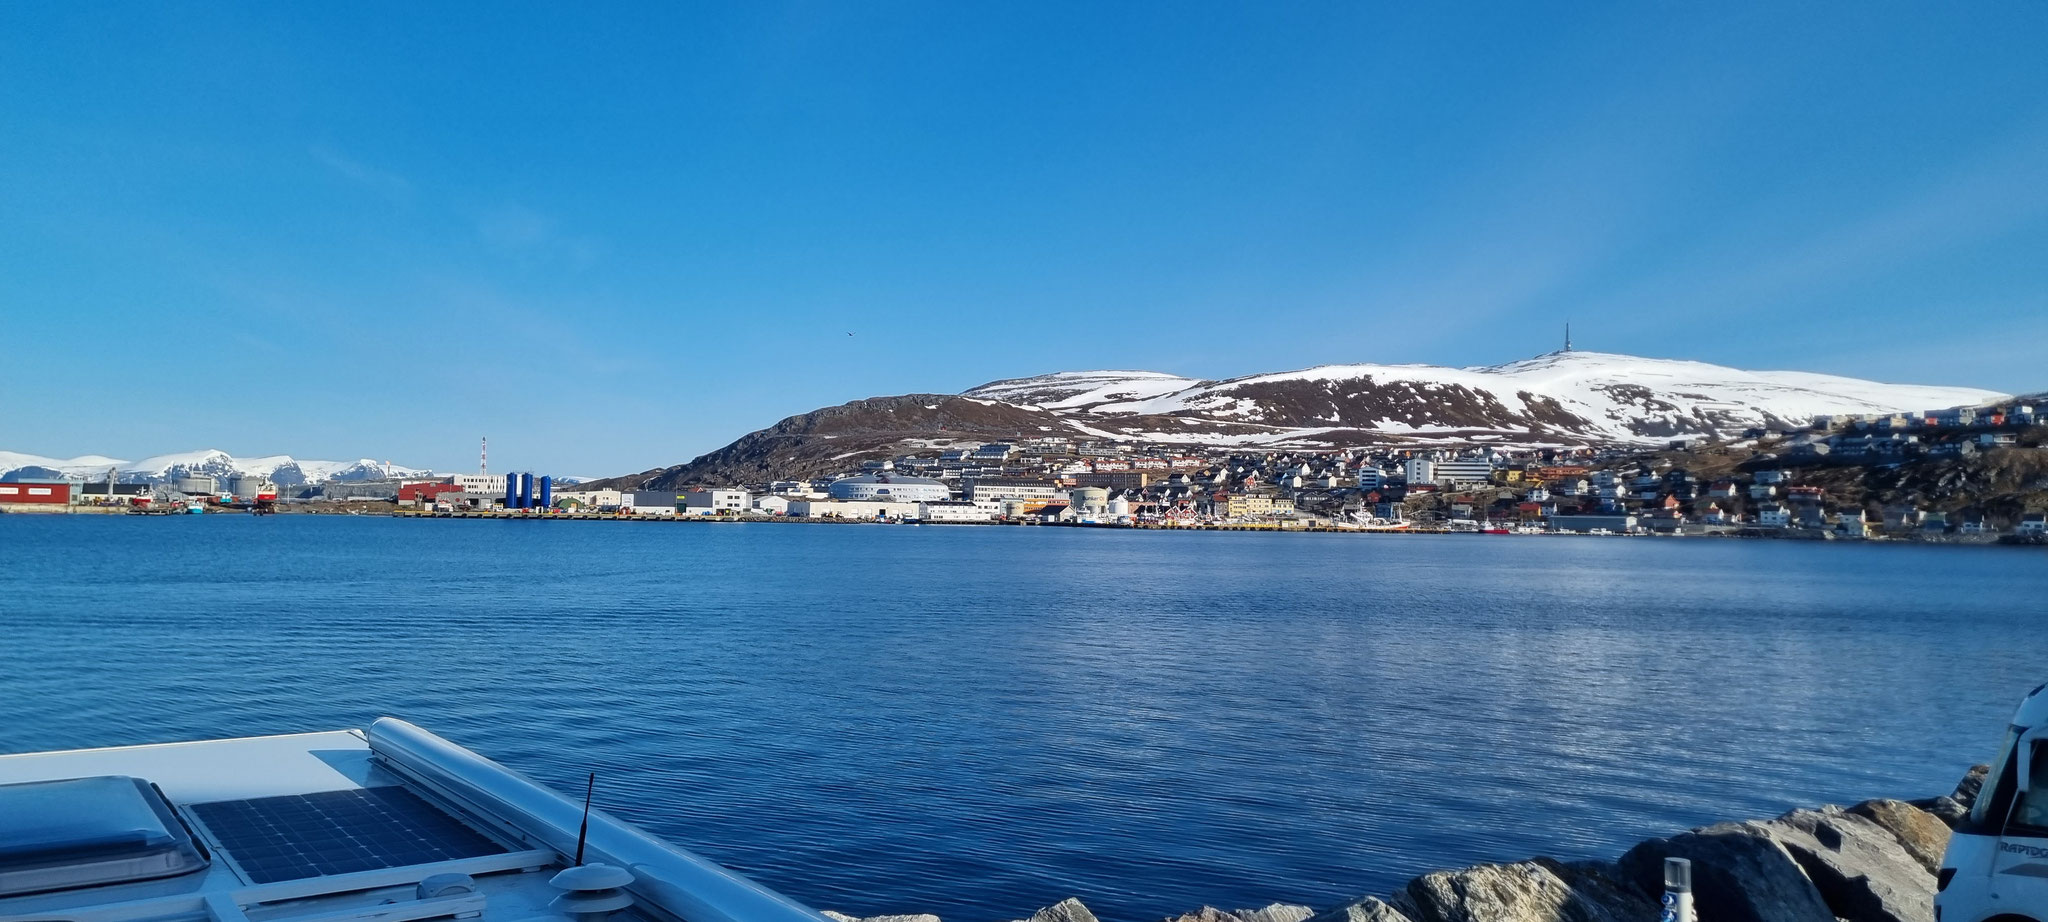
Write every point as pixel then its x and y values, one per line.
pixel 613 237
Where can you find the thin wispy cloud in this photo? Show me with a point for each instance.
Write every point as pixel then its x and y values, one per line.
pixel 1749 269
pixel 515 227
pixel 1984 197
pixel 384 183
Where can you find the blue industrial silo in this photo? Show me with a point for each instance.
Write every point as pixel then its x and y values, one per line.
pixel 526 491
pixel 511 491
pixel 547 492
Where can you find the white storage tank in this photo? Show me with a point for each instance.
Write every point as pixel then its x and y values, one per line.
pixel 196 483
pixel 1095 498
pixel 246 485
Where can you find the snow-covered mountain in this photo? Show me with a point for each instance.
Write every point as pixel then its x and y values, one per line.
pixel 283 470
pixel 1559 397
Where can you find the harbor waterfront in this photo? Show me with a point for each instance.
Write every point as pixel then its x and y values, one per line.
pixel 977 722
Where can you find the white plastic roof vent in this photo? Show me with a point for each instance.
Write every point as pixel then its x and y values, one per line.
pixel 84 832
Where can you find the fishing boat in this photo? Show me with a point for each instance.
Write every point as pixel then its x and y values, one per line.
pixel 388 824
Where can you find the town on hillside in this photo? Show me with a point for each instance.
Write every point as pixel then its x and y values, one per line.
pixel 1963 472
pixel 1957 474
pixel 1985 473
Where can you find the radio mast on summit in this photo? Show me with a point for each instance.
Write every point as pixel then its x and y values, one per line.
pixel 1567 336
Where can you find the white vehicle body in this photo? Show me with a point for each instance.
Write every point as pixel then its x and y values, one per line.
pixel 1996 867
pixel 387 824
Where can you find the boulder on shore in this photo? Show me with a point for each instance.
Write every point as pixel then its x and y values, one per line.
pixel 1541 890
pixel 1943 808
pixel 1862 870
pixel 1740 873
pixel 1275 912
pixel 1207 914
pixel 1066 910
pixel 1923 834
pixel 1369 909
pixel 1973 782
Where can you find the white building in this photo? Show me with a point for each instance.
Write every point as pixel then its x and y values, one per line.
pixel 894 488
pixel 1419 471
pixel 1772 515
pixel 959 511
pixel 852 509
pixel 716 502
pixel 999 490
pixel 481 483
pixel 1463 470
pixel 772 504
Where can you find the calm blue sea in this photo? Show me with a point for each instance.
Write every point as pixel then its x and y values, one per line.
pixel 979 721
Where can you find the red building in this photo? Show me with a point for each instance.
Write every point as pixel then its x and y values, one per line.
pixel 36 492
pixel 422 493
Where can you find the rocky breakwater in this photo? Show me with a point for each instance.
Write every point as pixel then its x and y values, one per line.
pixel 1873 862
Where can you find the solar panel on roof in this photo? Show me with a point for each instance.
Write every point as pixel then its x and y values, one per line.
pixel 337 832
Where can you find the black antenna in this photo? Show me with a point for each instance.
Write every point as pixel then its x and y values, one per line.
pixel 584 833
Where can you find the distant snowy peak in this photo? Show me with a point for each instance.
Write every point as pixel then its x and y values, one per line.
pixel 283 470
pixel 1559 397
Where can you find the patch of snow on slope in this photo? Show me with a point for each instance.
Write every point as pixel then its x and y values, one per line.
pixel 1068 390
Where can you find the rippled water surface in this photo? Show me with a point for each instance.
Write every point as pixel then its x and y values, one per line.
pixel 979 721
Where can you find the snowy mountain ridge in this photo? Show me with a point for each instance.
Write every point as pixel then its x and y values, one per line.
pixel 283 470
pixel 1560 400
pixel 1557 397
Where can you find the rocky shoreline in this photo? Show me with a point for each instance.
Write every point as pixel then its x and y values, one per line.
pixel 1873 862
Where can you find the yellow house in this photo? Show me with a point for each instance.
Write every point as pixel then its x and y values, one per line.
pixel 1248 505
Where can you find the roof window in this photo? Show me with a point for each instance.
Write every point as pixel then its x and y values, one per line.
pixel 85 832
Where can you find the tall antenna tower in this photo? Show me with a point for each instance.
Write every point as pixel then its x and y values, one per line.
pixel 1567 336
pixel 483 457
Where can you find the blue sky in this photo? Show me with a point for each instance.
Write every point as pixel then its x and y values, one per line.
pixel 615 237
